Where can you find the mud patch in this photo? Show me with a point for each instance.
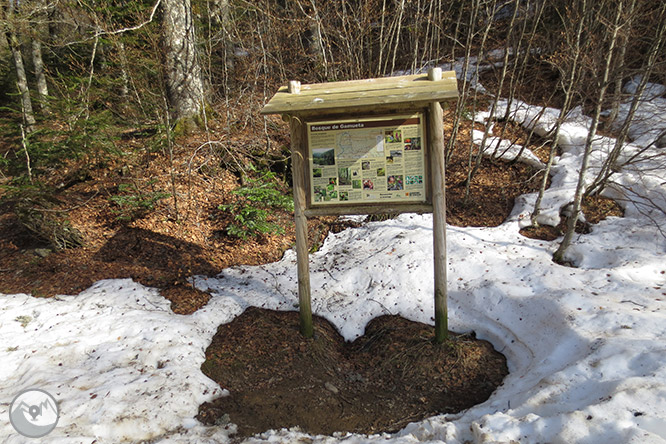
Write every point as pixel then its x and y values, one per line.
pixel 391 376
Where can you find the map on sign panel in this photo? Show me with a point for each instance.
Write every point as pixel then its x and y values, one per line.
pixel 360 144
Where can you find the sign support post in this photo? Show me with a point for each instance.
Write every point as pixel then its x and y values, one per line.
pixel 438 211
pixel 298 161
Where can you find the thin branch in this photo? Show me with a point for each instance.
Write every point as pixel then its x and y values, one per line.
pixel 131 28
pixel 27 155
pixel 101 32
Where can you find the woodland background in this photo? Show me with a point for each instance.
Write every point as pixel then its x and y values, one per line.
pixel 137 123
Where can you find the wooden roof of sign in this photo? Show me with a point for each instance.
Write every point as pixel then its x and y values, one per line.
pixel 414 90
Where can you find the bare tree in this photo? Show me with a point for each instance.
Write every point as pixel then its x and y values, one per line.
pixel 316 45
pixel 570 73
pixel 466 85
pixel 558 256
pixel 610 165
pixel 486 9
pixel 505 65
pixel 219 39
pixel 620 65
pixel 38 64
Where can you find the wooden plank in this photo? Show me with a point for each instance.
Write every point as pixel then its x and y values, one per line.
pixel 286 103
pixel 356 85
pixel 368 84
pixel 308 95
pixel 299 160
pixel 436 140
pixel 386 83
pixel 399 88
pixel 341 210
pixel 366 93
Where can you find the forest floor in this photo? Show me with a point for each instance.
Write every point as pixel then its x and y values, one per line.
pixel 392 375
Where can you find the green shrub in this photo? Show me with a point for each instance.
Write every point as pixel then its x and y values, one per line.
pixel 253 202
pixel 134 201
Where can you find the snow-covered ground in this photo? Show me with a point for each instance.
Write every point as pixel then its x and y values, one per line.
pixel 586 346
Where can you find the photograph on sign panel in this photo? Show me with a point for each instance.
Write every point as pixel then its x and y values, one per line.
pixel 393 136
pixel 394 183
pixel 414 180
pixel 323 156
pixel 344 176
pixel 319 193
pixel 413 144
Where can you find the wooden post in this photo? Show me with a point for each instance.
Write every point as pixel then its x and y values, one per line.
pixel 435 74
pixel 436 139
pixel 294 87
pixel 298 160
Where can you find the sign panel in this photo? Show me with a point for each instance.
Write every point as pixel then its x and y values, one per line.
pixel 367 160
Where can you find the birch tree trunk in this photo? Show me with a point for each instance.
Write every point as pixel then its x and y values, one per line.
pixel 38 26
pixel 315 44
pixel 183 78
pixel 42 87
pixel 221 21
pixel 21 78
pixel 620 63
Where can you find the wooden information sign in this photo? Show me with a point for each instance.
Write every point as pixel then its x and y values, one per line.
pixel 364 147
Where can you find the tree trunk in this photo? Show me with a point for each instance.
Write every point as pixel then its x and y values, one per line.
pixel 125 85
pixel 491 115
pixel 38 32
pixel 465 84
pixel 21 78
pixel 314 41
pixel 568 86
pixel 183 79
pixel 620 64
pixel 42 87
pixel 221 22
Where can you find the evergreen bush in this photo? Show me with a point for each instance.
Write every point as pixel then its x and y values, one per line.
pixel 251 208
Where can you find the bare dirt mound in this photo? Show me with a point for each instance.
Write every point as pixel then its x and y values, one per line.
pixel 391 376
pixel 594 208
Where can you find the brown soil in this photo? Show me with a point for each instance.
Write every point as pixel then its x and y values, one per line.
pixel 393 375
pixel 595 209
pixel 176 240
pixel 495 186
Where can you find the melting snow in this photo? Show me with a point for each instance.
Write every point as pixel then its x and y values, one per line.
pixel 585 346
